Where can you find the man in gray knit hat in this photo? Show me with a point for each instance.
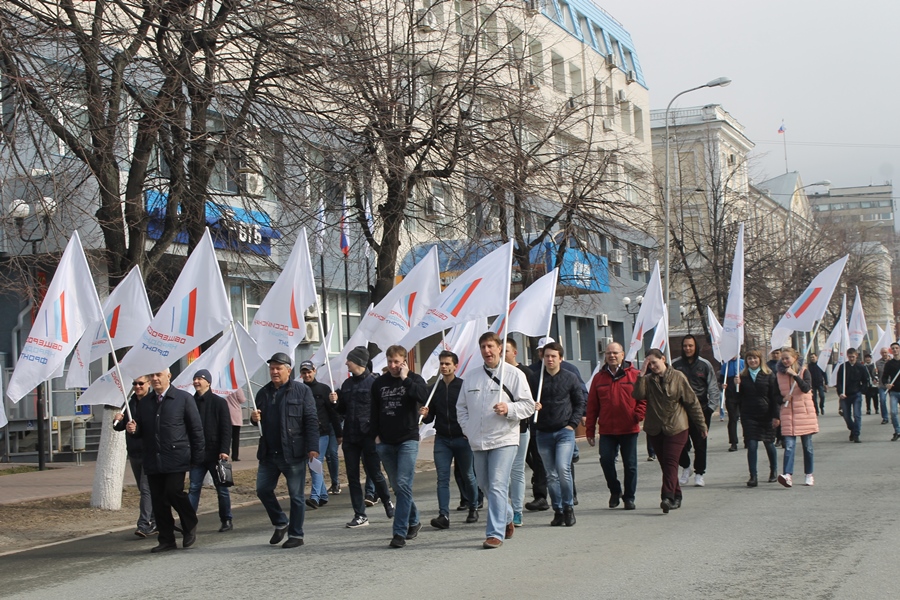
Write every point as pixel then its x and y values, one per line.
pixel 354 402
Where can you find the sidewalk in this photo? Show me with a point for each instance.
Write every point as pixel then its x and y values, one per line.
pixel 64 479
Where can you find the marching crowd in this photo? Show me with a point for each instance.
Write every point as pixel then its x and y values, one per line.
pixel 488 426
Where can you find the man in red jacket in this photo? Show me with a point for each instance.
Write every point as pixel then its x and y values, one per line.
pixel 617 417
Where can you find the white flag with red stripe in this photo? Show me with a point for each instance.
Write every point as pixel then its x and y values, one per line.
pixel 652 309
pixel 197 309
pixel 461 340
pixel 480 291
pixel 223 361
pixel 69 307
pixel 531 312
pixel 661 333
pixel 810 306
pixel 127 314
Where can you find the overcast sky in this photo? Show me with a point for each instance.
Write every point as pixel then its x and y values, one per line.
pixel 828 68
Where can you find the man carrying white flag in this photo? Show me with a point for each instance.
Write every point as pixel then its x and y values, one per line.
pixel 197 309
pixel 386 323
pixel 127 314
pixel 70 305
pixel 857 329
pixel 532 311
pixel 733 324
pixel 278 325
pixel 652 309
pixel 810 306
pixel 223 361
pixel 481 291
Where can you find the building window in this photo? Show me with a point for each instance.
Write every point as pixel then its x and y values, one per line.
pixel 246 297
pixel 559 72
pixel 337 316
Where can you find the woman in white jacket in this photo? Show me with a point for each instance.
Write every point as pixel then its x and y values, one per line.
pixel 489 415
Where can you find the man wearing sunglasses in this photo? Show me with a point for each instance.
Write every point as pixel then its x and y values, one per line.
pixel 146 524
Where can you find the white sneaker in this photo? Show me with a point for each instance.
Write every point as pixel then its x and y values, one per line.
pixel 685 475
pixel 698 480
pixel 786 480
pixel 809 480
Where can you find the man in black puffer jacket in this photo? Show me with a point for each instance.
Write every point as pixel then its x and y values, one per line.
pixel 354 402
pixel 216 420
pixel 560 406
pixel 171 432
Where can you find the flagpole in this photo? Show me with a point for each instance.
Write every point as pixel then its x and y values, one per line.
pixel 505 328
pixel 237 342
pixel 431 395
pixel 541 376
pixel 324 338
pixel 324 305
pixel 112 350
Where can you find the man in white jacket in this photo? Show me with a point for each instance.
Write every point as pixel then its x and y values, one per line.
pixel 489 413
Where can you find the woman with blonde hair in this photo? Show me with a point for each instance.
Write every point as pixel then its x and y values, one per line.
pixel 798 415
pixel 760 404
pixel 671 405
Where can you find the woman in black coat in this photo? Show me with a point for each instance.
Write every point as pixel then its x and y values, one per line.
pixel 760 403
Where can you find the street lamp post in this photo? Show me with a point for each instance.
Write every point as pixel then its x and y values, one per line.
pixel 637 308
pixel 718 82
pixel 21 210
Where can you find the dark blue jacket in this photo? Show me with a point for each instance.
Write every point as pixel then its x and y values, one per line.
pixel 216 419
pixel 562 401
pixel 355 404
pixel 171 432
pixel 299 423
pixel 133 443
pixel 443 408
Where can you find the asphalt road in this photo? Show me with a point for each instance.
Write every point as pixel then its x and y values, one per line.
pixel 835 540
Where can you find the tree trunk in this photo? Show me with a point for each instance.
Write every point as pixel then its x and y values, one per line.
pixel 110 469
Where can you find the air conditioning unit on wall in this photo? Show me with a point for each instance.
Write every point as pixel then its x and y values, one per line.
pixel 602 320
pixel 312 332
pixel 616 256
pixel 605 342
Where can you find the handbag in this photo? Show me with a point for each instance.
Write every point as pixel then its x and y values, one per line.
pixel 224 474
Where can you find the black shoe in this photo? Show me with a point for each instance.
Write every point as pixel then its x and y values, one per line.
pixel 335 489
pixel 856 440
pixel 322 502
pixel 537 504
pixel 676 503
pixel 894 438
pixel 884 421
pixel 753 481
pixel 164 547
pixel 868 412
pixel 413 531
pixel 480 505
pixel 773 476
pixel 569 516
pixel 141 533
pixel 666 505
pixel 189 538
pixel 473 515
pixel 575 501
pixel 440 522
pixel 558 519
pixel 226 526
pixel 398 541
pixel 629 505
pixel 732 448
pixel 389 509
pixel 279 534
pixel 310 502
pixel 371 500
pixel 293 543
pixel 614 500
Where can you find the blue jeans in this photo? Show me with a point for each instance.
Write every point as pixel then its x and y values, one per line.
pixel 492 469
pixel 771 451
pixel 270 468
pixel 331 458
pixel 517 475
pixel 895 403
pixel 790 442
pixel 445 450
pixel 399 461
pixel 198 472
pixel 853 402
pixel 317 489
pixel 882 400
pixel 819 391
pixel 609 446
pixel 556 449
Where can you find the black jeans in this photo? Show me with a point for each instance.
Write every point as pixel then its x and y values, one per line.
pixel 733 406
pixel 363 451
pixel 699 444
pixel 167 493
pixel 538 475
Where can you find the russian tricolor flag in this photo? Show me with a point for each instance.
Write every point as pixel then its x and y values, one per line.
pixel 345 238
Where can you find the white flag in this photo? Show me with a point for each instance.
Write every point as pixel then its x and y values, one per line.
pixel 223 361
pixel 733 324
pixel 661 332
pixel 405 305
pixel 70 305
pixel 321 355
pixel 884 340
pixel 127 313
pixel 810 306
pixel 715 333
pixel 857 327
pixel 481 291
pixel 652 308
pixel 460 340
pixel 278 325
pixel 106 389
pixel 197 309
pixel 532 311
pixel 840 336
